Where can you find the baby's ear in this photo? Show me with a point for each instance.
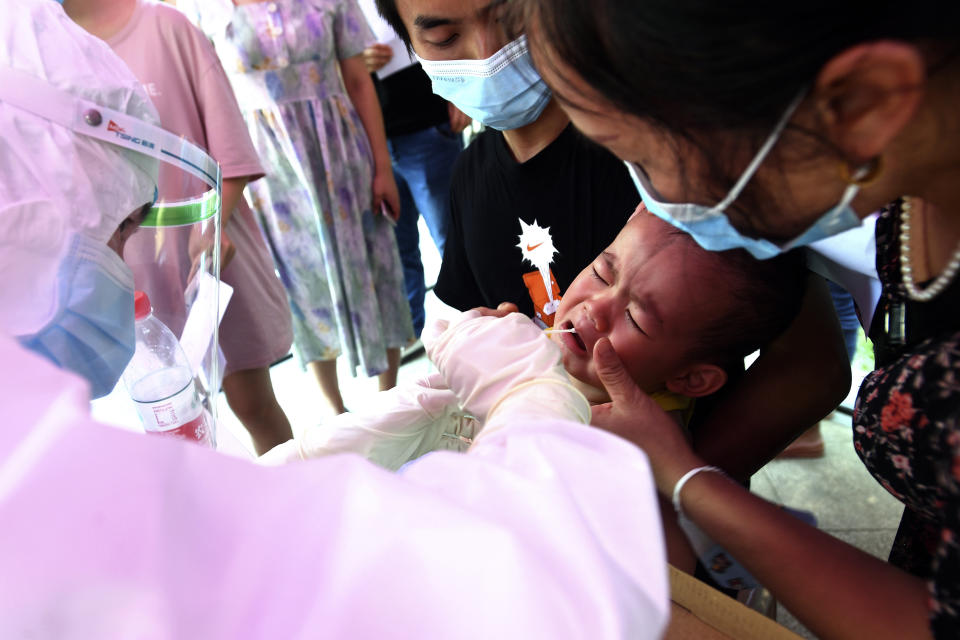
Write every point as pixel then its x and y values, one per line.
pixel 698 380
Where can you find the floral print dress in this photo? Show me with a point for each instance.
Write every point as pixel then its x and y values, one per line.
pixel 336 257
pixel 907 427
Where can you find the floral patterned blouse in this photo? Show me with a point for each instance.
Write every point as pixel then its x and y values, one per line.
pixel 907 427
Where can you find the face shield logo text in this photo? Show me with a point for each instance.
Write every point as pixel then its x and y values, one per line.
pixel 117 129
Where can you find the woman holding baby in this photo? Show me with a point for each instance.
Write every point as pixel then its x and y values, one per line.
pixel 768 126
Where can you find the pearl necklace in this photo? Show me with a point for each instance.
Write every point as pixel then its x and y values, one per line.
pixel 906 269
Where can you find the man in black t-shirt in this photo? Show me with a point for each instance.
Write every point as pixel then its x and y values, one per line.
pixel 577 189
pixel 531 183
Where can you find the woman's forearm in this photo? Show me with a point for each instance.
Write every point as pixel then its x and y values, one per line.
pixel 364 99
pixel 230 195
pixel 799 378
pixel 835 589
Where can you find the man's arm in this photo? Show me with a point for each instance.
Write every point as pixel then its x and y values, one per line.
pixel 799 378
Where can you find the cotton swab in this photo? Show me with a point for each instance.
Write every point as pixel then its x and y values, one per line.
pixel 570 330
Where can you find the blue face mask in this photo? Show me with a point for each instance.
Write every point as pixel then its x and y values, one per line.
pixel 92 332
pixel 712 230
pixel 503 92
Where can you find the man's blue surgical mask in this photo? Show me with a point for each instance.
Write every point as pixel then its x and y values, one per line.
pixel 503 92
pixel 712 230
pixel 92 331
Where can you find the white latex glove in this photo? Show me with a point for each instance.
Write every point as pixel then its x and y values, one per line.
pixel 391 429
pixel 486 360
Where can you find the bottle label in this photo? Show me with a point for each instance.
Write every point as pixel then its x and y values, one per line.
pixel 170 413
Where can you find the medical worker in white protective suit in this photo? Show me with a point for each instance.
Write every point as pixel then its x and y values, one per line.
pixel 546 529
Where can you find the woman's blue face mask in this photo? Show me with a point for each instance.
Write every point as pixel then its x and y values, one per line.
pixel 92 332
pixel 710 226
pixel 503 92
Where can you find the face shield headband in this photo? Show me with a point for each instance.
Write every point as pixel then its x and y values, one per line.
pixel 36 96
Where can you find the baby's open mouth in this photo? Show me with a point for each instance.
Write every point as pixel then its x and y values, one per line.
pixel 569 325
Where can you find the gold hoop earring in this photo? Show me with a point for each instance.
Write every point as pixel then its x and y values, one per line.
pixel 864 174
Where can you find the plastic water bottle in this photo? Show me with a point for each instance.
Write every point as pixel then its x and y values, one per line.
pixel 160 381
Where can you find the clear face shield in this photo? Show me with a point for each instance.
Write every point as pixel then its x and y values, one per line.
pixel 175 259
pixel 174 255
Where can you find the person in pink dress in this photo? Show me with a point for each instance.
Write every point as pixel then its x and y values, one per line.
pixel 182 75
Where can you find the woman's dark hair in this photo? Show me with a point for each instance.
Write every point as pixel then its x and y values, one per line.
pixel 717 76
pixel 706 65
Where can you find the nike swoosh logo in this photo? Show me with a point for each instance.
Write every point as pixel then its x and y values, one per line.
pixel 529 248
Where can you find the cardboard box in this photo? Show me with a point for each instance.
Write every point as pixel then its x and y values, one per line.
pixel 699 612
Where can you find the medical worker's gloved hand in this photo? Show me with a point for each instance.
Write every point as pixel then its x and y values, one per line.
pixel 390 429
pixel 493 364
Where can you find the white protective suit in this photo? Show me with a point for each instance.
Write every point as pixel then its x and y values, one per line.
pixel 57 184
pixel 547 528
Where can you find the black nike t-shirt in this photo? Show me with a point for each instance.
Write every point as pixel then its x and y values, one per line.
pixel 578 189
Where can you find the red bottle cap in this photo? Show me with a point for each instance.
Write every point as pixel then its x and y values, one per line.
pixel 141 305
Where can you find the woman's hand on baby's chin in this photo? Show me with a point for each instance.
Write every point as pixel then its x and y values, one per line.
pixel 503 309
pixel 635 416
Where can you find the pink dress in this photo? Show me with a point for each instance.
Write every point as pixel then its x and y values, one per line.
pixel 182 75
